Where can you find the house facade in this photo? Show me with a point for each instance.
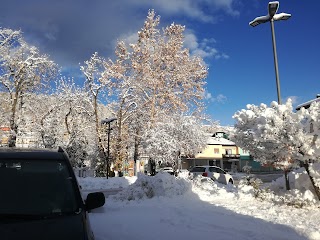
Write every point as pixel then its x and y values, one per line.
pixel 219 151
pixel 224 153
pixel 4 136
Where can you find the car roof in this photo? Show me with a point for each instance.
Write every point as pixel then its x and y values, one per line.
pixel 31 153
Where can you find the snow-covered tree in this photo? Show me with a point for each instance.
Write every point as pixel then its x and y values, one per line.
pixel 167 76
pixel 176 135
pixel 155 76
pixel 95 85
pixel 78 116
pixel 273 135
pixel 312 125
pixel 63 118
pixel 23 69
pixel 311 148
pixel 8 37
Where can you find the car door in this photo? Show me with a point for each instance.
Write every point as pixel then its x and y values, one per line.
pixel 198 170
pixel 214 174
pixel 218 174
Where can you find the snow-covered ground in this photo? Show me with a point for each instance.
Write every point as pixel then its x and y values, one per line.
pixel 165 207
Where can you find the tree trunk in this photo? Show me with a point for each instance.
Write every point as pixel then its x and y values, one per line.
pixel 13 125
pixel 118 146
pixel 136 150
pixel 316 188
pixel 102 154
pixel 286 176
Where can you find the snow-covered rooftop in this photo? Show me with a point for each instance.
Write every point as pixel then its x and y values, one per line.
pixel 307 104
pixel 219 141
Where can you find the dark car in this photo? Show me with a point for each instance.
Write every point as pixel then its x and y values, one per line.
pixel 40 197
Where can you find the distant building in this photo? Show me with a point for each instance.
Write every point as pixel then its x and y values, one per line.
pixel 219 151
pixel 4 136
pixel 222 152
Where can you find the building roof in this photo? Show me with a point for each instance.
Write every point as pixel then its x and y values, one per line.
pixel 307 104
pixel 220 141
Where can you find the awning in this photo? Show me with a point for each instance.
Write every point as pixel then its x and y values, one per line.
pixel 233 160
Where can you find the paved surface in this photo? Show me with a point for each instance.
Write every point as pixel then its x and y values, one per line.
pixel 265 177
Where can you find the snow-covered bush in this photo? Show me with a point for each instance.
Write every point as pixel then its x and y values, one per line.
pixel 302 194
pixel 247 169
pixel 253 187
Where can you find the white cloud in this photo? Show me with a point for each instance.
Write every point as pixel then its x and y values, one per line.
pixel 71 32
pixel 220 98
pixel 226 5
pixel 129 38
pixel 204 48
pixel 207 96
pixel 202 10
pixel 295 99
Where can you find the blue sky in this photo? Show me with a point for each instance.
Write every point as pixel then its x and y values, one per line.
pixel 239 57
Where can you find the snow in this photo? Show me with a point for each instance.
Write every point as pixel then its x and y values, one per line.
pixel 166 207
pixel 218 140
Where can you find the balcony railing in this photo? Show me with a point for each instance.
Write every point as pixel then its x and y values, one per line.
pixel 231 155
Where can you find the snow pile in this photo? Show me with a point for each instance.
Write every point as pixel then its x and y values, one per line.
pixel 104 183
pixel 301 193
pixel 202 208
pixel 210 187
pixel 183 174
pixel 163 184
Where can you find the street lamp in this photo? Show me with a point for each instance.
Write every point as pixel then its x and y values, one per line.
pixel 271 17
pixel 108 121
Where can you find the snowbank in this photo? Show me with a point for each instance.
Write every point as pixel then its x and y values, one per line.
pixel 163 184
pixel 166 185
pixel 104 183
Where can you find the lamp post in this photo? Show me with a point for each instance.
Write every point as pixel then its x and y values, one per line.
pixel 271 17
pixel 108 121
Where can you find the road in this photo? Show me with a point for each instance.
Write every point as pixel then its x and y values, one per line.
pixel 265 177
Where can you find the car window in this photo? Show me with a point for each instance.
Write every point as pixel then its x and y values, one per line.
pixel 37 187
pixel 198 169
pixel 213 169
pixel 220 171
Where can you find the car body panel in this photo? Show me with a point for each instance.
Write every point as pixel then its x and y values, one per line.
pixel 41 198
pixel 213 172
pixel 60 227
pixel 167 169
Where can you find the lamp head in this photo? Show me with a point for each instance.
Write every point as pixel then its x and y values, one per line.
pixel 281 16
pixel 273 8
pixel 259 20
pixel 108 120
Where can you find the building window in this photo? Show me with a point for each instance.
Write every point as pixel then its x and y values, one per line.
pixel 216 151
pixel 228 151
